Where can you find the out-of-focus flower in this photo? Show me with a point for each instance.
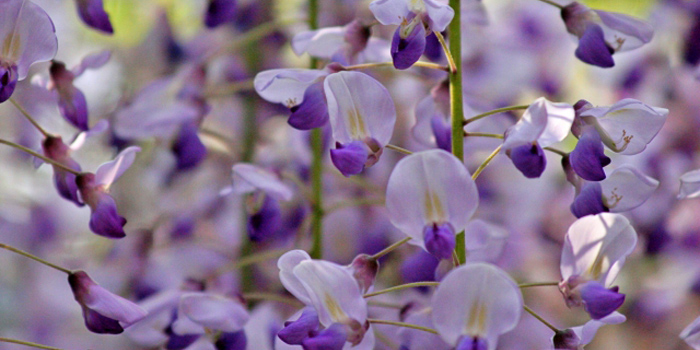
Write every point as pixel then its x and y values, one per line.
pixel 219 12
pixel 690 185
pixel 199 311
pixel 92 12
pixel 474 304
pixel 349 44
pixel 691 334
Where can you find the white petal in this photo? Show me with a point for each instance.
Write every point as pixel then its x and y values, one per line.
pixel 389 11
pixel 560 116
pixel 587 332
pixel 213 311
pixel 596 247
pixel 476 299
pixel 627 188
pixel 249 178
pixel 286 264
pixel 92 61
pixel 324 42
pixel 285 86
pixel 690 185
pixel 359 107
pixel 430 187
pixel 440 14
pixel 27 35
pixel 529 128
pixel 109 172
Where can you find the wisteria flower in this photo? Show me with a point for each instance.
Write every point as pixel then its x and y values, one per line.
pixel 543 124
pixel 335 300
pixel 362 116
pixel 103 311
pixel 416 19
pixel 576 338
pixel 201 311
pixel 92 12
pixel 690 185
pixel 602 33
pixel 430 197
pixel 349 44
pixel 595 248
pixel 474 304
pixel 29 36
pixel 219 12
pixel 94 191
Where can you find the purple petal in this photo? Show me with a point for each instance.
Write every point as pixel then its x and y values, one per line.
pixel 93 14
pixel 266 223
pixel 593 49
pixel 433 48
pixel 566 340
pixel 232 341
pixel 419 267
pixel 219 12
pixel 469 343
pixel 442 132
pixel 179 342
pixel 313 110
pixel 92 61
pixel 389 11
pixel 364 269
pixel 408 44
pixel 350 158
pixel 600 301
pixel 439 13
pixel 109 172
pixel 589 201
pixel 331 338
pixel 8 81
pixel 439 240
pixel 55 149
pixel 529 159
pixel 71 101
pixel 188 148
pixel 295 332
pixel 104 219
pixel 588 158
pixel 100 324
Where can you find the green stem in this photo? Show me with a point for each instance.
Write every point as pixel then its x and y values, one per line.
pixel 483 134
pixel 541 319
pixel 317 214
pixel 402 286
pixel 402 324
pixel 28 343
pixel 486 162
pixel 40 156
pixel 554 150
pixel 538 284
pixel 29 117
pixel 35 258
pixel 552 3
pixel 450 58
pixel 390 248
pixel 456 104
pixel 398 149
pixel 422 64
pixel 495 111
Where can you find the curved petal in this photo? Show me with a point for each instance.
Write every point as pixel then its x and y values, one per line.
pixel 627 188
pixel 588 330
pixel 249 178
pixel 625 32
pixel 407 48
pixel 476 299
pixel 440 14
pixel 691 334
pixel 324 42
pixel 214 312
pixel 92 61
pixel 102 301
pixel 109 172
pixel 286 264
pixel 589 201
pixel 690 185
pixel 285 86
pixel 484 241
pixel 544 121
pixel 359 108
pixel 389 11
pixel 430 187
pixel 596 247
pixel 593 49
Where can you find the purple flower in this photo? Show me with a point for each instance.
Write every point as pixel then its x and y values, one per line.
pixel 576 338
pixel 29 37
pixel 219 12
pixel 349 44
pixel 55 149
pixel 93 14
pixel 103 311
pixel 588 158
pixel 198 311
pixel 408 43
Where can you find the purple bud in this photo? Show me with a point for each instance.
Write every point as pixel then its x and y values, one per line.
pixel 364 269
pixel 99 324
pixel 408 44
pixel 599 301
pixel 104 219
pixel 589 201
pixel 350 158
pixel 55 149
pixel 313 110
pixel 188 148
pixel 266 223
pixel 529 159
pixel 71 101
pixel 469 343
pixel 8 81
pixel 232 341
pixel 593 49
pixel 331 338
pixel 219 12
pixel 93 14
pixel 442 132
pixel 588 158
pixel 439 240
pixel 566 340
pixel 295 332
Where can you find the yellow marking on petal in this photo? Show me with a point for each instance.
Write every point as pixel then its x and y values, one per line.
pixel 337 313
pixel 433 208
pixel 599 265
pixel 476 320
pixel 358 130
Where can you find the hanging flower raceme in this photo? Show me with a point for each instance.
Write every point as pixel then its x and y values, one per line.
pixel 474 304
pixel 94 191
pixel 430 197
pixel 92 12
pixel 337 312
pixel 28 36
pixel 595 248
pixel 543 124
pixel 350 44
pixel 416 19
pixel 601 34
pixel 103 311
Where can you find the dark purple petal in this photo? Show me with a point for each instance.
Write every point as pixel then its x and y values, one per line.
pixel 350 159
pixel 266 223
pixel 405 51
pixel 100 324
pixel 529 159
pixel 442 132
pixel 219 12
pixel 439 240
pixel 232 341
pixel 433 49
pixel 593 49
pixel 105 221
pixel 469 343
pixel 188 148
pixel 599 301
pixel 588 158
pixel 179 342
pixel 589 201
pixel 313 110
pixel 305 326
pixel 331 338
pixel 93 14
pixel 71 101
pixel 691 49
pixel 566 340
pixel 419 267
pixel 8 81
pixel 55 149
pixel 66 186
pixel 364 269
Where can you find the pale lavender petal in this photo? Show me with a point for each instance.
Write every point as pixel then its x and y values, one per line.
pixel 109 172
pixel 627 188
pixel 625 32
pixel 440 14
pixel 92 61
pixel 690 185
pixel 390 11
pixel 286 264
pixel 529 128
pixel 484 241
pixel 691 334
pixel 96 129
pixel 214 312
pixel 285 86
pixel 248 178
pixel 321 43
pixel 93 296
pixel 587 332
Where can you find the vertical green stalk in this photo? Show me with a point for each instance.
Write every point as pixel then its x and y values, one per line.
pixel 316 163
pixel 457 109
